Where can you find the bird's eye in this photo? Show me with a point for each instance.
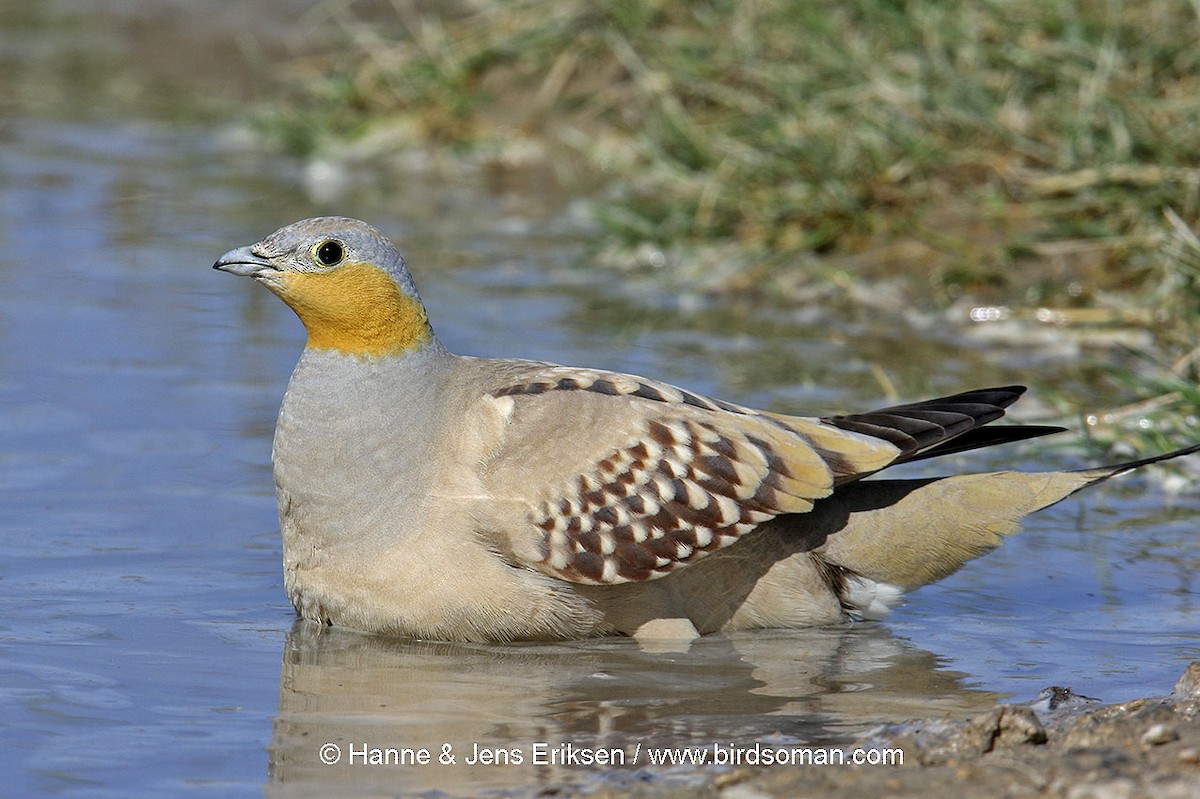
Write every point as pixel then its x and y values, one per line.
pixel 329 253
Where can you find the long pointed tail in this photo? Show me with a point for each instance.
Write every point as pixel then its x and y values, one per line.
pixel 909 533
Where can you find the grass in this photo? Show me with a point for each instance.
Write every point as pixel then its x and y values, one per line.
pixel 1168 380
pixel 1020 152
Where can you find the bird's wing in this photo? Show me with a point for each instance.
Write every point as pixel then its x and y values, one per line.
pixel 624 479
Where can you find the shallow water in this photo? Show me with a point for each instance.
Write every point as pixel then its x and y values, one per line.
pixel 146 647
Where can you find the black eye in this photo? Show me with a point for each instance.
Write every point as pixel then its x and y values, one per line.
pixel 330 252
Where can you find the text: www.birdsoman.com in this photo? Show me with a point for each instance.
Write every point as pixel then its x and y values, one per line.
pixel 569 754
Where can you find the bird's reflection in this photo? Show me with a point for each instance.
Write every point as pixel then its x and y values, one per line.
pixel 365 693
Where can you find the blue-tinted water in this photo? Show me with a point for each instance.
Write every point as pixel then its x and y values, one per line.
pixel 146 646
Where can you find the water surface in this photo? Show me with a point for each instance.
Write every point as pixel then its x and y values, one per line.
pixel 146 646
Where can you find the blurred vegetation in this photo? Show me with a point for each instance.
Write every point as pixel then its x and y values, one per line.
pixel 926 153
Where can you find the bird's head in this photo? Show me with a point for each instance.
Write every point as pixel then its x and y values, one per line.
pixel 346 282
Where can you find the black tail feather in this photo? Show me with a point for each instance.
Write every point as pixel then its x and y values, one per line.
pixel 944 425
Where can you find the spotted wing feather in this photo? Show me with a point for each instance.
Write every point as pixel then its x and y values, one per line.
pixel 699 473
pixel 685 488
pixel 691 476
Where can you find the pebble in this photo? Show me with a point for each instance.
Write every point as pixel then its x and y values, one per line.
pixel 1109 789
pixel 743 791
pixel 1159 734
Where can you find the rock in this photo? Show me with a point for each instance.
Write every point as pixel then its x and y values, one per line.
pixel 1160 734
pixel 1005 726
pixel 1188 684
pixel 1057 699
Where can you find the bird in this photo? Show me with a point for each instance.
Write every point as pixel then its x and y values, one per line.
pixel 432 495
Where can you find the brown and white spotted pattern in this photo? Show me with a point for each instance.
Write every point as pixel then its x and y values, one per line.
pixel 684 489
pixel 690 483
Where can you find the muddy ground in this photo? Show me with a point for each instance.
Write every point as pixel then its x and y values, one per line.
pixel 1062 745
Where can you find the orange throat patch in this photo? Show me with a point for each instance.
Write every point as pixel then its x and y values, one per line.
pixel 356 309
